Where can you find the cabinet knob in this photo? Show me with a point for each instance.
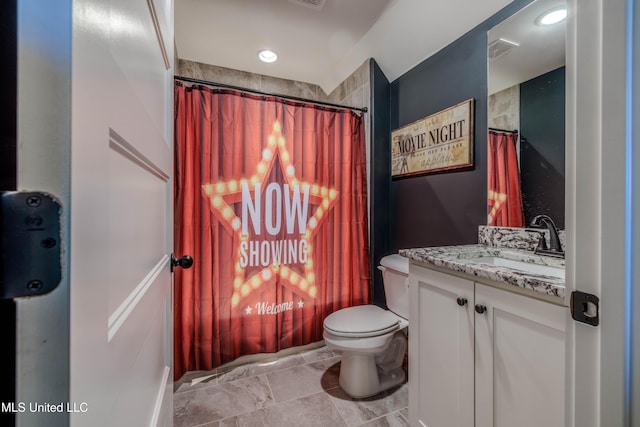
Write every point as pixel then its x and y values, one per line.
pixel 461 301
pixel 481 308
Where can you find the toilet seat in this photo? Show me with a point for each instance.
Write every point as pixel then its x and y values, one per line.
pixel 361 321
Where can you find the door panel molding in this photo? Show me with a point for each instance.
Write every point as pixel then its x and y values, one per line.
pixel 156 26
pixel 120 315
pixel 126 149
pixel 161 398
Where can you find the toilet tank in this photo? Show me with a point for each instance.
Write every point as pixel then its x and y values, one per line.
pixel 395 274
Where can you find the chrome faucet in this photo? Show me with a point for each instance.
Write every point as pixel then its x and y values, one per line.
pixel 543 221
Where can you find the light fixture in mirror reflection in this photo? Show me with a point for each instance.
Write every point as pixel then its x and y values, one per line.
pixel 526 117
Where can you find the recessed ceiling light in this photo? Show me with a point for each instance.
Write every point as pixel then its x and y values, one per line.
pixel 552 16
pixel 267 55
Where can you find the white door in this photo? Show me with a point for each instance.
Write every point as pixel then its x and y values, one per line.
pixel 601 215
pixel 95 129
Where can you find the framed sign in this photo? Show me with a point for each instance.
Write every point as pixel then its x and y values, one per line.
pixel 441 141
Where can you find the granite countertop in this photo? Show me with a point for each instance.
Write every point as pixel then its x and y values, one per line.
pixel 459 259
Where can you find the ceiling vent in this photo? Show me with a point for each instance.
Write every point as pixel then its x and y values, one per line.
pixel 500 47
pixel 312 4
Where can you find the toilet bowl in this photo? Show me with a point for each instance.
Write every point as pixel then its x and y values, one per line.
pixel 372 341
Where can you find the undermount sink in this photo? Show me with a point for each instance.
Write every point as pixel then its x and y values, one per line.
pixel 527 267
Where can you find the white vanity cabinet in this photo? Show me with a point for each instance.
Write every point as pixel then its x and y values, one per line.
pixel 441 341
pixel 482 356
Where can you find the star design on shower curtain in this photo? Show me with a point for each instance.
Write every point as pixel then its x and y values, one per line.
pixel 496 200
pixel 223 194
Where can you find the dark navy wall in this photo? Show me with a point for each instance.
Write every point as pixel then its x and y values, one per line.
pixel 444 208
pixel 380 164
pixel 542 146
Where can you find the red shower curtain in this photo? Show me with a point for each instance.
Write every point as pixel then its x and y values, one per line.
pixel 504 193
pixel 271 201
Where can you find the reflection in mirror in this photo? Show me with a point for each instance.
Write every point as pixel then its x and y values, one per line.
pixel 526 82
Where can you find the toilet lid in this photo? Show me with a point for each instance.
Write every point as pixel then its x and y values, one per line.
pixel 361 321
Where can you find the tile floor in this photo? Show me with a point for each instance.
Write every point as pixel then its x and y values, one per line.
pixel 299 389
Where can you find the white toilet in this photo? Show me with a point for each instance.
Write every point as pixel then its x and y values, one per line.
pixel 371 340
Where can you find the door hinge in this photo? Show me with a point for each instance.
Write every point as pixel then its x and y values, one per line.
pixel 585 308
pixel 30 236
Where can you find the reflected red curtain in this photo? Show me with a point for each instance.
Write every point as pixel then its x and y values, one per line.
pixel 271 201
pixel 504 192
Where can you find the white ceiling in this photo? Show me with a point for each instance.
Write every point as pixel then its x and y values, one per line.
pixel 323 46
pixel 541 49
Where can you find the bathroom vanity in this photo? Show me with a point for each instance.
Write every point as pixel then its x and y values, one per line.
pixel 487 337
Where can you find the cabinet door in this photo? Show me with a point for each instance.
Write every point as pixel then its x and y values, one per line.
pixel 440 350
pixel 519 360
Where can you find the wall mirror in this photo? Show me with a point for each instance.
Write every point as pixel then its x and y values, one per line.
pixel 526 116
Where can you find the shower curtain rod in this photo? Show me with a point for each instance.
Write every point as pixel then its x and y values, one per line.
pixel 503 130
pixel 292 98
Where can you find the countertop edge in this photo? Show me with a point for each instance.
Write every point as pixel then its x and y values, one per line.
pixel 440 259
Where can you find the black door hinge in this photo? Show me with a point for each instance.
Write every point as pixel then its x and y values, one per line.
pixel 585 308
pixel 30 235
